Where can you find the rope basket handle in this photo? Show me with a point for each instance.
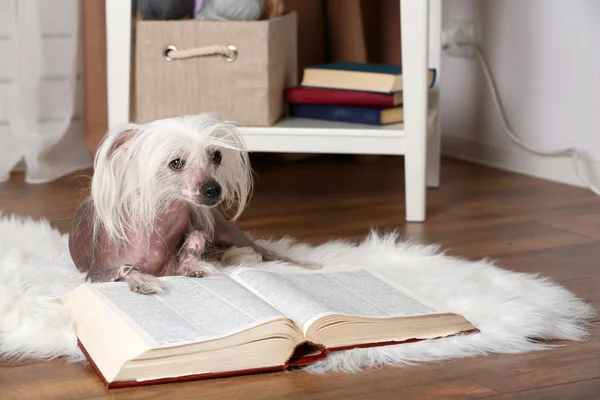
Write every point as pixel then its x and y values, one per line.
pixel 229 52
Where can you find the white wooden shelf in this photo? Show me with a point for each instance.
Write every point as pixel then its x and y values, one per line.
pixel 418 139
pixel 303 135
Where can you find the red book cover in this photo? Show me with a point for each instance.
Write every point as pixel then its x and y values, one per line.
pixel 306 95
pixel 305 354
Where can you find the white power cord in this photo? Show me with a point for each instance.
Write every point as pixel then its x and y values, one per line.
pixel 562 152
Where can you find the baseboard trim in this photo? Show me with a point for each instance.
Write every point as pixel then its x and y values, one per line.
pixel 515 159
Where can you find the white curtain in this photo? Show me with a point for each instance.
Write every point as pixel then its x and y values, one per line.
pixel 41 96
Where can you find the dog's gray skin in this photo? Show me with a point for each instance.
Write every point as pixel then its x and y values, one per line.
pixel 172 250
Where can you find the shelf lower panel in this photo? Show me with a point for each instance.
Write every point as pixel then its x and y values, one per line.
pixel 301 135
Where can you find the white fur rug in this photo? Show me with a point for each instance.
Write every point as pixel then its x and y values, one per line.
pixel 510 309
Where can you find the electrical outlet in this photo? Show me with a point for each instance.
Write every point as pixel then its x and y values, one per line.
pixel 456 32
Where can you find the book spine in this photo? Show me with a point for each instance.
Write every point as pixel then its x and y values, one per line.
pixel 301 95
pixel 433 78
pixel 358 115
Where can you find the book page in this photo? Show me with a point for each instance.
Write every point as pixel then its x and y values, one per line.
pixel 304 296
pixel 190 310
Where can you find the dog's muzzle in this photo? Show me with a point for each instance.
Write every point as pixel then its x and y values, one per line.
pixel 211 193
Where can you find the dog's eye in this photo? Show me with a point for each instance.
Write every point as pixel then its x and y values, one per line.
pixel 177 164
pixel 217 157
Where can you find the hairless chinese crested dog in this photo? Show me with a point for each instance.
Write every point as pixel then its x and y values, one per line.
pixel 153 206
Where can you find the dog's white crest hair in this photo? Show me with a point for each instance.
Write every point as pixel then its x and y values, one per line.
pixel 132 182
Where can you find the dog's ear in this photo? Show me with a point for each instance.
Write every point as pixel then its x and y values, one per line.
pixel 120 139
pixel 109 180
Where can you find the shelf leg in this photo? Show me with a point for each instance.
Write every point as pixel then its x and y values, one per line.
pixel 118 60
pixel 434 60
pixel 414 30
pixel 434 153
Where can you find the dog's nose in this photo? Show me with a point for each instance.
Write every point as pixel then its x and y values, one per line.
pixel 211 190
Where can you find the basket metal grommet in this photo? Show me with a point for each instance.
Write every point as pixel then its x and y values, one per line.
pixel 169 49
pixel 234 51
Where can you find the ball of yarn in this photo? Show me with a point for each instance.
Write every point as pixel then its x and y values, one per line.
pixel 229 10
pixel 165 9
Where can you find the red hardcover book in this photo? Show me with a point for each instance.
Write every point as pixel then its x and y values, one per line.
pixel 306 95
pixel 251 321
pixel 299 358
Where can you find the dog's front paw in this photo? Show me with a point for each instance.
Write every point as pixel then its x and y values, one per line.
pixel 197 269
pixel 144 283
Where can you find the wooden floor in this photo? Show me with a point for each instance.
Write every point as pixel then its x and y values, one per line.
pixel 525 224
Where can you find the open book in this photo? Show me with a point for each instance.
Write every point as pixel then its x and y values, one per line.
pixel 250 321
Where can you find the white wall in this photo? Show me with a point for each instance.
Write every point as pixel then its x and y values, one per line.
pixel 545 56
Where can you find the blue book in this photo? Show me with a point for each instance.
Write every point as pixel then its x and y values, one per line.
pixel 368 77
pixel 353 114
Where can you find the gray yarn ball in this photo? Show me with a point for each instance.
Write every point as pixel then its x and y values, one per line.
pixel 230 10
pixel 165 9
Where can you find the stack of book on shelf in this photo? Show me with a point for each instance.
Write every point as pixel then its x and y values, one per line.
pixel 364 93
